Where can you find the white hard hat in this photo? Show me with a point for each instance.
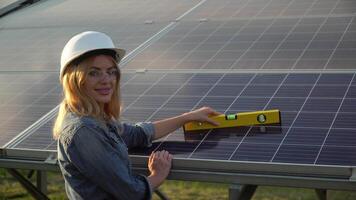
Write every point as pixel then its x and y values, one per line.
pixel 86 42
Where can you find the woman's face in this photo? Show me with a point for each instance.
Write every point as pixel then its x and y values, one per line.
pixel 101 78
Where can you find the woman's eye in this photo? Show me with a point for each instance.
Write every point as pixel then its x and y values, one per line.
pixel 113 72
pixel 94 73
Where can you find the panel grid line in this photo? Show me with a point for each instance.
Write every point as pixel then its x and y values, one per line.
pixel 287 35
pixel 202 42
pixel 164 103
pixel 301 108
pixel 332 123
pixel 251 79
pixel 311 40
pixel 338 44
pixel 242 140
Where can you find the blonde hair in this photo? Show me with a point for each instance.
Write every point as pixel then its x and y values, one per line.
pixel 77 101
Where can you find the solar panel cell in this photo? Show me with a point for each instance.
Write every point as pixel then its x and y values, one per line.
pixel 259 91
pixel 335 155
pixel 306 136
pixel 345 120
pixel 248 104
pixel 341 137
pixel 329 91
pixel 254 152
pixel 294 91
pixel 322 105
pixel 214 150
pixel 296 154
pixel 285 104
pixel 313 119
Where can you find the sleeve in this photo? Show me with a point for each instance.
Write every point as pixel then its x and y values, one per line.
pixel 105 165
pixel 138 135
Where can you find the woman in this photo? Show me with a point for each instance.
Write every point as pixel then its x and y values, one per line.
pixel 92 143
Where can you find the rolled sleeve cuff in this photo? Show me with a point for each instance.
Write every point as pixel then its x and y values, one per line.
pixel 149 130
pixel 148 185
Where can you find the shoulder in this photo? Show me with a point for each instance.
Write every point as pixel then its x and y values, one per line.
pixel 74 125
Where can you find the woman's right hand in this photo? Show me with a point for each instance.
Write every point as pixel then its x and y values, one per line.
pixel 159 165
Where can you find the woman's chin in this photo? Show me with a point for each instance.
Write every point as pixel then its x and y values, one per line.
pixel 103 99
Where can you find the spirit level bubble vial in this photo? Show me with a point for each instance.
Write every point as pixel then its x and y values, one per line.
pixel 240 119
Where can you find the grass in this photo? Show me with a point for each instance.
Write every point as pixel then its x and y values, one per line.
pixel 175 190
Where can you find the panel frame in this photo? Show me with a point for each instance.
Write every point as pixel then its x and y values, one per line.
pixel 207 170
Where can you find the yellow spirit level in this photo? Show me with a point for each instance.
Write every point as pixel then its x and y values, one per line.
pixel 240 119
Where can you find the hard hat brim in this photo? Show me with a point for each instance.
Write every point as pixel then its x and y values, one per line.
pixel 119 52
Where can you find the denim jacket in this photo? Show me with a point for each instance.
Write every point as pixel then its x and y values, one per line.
pixel 94 159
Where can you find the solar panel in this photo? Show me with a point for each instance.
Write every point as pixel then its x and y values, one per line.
pixel 260 34
pixel 235 56
pixel 310 122
pixel 38 33
pixel 25 97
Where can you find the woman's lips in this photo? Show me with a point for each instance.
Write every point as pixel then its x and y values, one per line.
pixel 103 91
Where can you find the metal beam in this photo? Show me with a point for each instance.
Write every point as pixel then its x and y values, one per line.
pixel 241 192
pixel 322 194
pixel 42 181
pixel 33 190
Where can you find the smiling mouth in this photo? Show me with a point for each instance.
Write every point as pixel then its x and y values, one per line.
pixel 103 91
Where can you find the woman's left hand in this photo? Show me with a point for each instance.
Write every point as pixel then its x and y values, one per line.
pixel 202 115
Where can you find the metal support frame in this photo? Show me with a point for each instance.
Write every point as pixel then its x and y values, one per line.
pixel 241 192
pixel 40 190
pixel 33 190
pixel 161 195
pixel 41 181
pixel 322 194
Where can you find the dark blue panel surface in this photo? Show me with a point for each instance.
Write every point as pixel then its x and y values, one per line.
pixel 293 91
pixel 330 91
pixel 311 119
pixel 306 136
pixel 218 103
pixel 259 91
pixel 194 90
pixel 182 102
pixel 336 155
pixel 134 89
pixel 150 102
pixel 343 79
pixel 322 105
pixel 255 152
pixel 351 92
pixel 163 90
pixel 303 79
pixel 341 137
pixel 231 135
pixel 348 105
pixel 248 104
pixel 296 154
pixel 214 150
pixel 295 141
pixel 345 120
pixel 226 90
pixel 179 149
pixel 286 104
pixel 265 135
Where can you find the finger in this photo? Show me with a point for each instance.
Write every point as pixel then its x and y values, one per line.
pixel 170 157
pixel 215 123
pixel 166 155
pixel 151 157
pixel 216 112
pixel 161 154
